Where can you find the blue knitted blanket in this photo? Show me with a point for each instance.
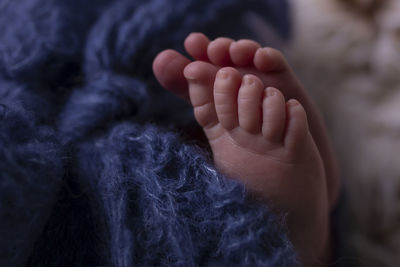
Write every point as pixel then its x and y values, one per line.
pixel 98 164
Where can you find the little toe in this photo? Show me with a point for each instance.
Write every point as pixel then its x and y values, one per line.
pixel 242 52
pixel 274 115
pixel 268 59
pixel 226 88
pixel 297 125
pixel 196 45
pixel 200 77
pixel 249 103
pixel 218 51
pixel 168 68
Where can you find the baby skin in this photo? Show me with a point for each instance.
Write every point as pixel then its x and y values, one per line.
pixel 263 130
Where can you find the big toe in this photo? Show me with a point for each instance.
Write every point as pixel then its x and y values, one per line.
pixel 168 68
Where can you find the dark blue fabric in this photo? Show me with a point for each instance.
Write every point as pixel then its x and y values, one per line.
pixel 94 169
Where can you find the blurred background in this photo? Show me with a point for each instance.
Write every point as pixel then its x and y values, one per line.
pixel 347 53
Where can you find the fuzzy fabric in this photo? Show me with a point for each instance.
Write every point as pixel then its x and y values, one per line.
pixel 93 171
pixel 348 55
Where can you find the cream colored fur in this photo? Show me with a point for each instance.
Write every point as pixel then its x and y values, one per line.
pixel 348 54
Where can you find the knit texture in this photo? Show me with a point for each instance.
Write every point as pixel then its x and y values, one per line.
pixel 95 165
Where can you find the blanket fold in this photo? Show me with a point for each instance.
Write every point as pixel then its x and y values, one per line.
pixel 93 171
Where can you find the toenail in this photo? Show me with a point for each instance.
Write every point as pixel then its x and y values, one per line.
pixel 270 91
pixel 248 80
pixel 265 51
pixel 191 79
pixel 293 102
pixel 223 74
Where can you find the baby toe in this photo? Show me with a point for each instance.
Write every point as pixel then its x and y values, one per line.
pixel 196 44
pixel 218 51
pixel 249 103
pixel 200 78
pixel 274 115
pixel 297 125
pixel 168 69
pixel 242 52
pixel 226 88
pixel 268 59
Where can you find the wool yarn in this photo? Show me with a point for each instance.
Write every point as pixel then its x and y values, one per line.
pixel 93 168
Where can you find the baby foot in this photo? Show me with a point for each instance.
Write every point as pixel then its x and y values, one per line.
pixel 265 143
pixel 255 135
pixel 248 57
